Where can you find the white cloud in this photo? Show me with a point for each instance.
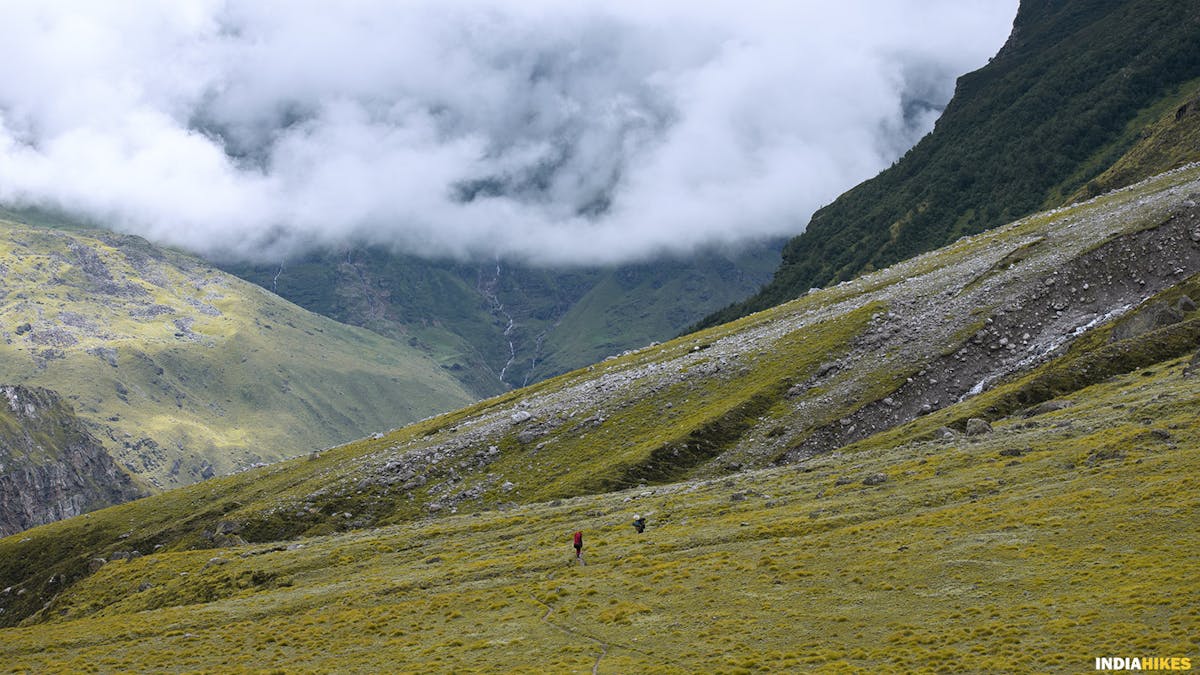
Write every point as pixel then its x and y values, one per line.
pixel 546 130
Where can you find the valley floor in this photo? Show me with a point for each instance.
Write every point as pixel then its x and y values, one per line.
pixel 1039 547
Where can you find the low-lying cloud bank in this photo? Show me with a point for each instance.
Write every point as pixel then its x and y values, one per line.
pixel 551 131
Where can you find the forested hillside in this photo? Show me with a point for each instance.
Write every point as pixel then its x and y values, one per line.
pixel 1076 87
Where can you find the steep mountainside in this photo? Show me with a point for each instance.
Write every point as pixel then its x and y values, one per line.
pixel 1172 141
pixel 974 435
pixel 51 467
pixel 496 325
pixel 1073 90
pixel 184 372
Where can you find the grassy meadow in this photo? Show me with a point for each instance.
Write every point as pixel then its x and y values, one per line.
pixel 1048 542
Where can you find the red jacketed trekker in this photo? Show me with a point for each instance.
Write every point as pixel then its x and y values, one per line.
pixel 579 546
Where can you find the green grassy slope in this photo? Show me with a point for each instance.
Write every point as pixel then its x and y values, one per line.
pixel 841 385
pixel 637 304
pixel 184 371
pixel 1068 95
pixel 1034 548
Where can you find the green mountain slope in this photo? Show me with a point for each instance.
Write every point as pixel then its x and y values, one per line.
pixel 1018 551
pixel 185 372
pixel 1069 94
pixel 953 464
pixel 1172 141
pixel 495 325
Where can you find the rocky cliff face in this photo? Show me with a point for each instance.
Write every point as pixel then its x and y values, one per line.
pixel 51 467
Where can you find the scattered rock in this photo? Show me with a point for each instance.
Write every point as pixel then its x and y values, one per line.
pixel 1161 434
pixel 826 368
pixel 1104 455
pixel 875 479
pixel 1154 316
pixel 737 497
pixel 228 527
pixel 1048 407
pixel 978 427
pixel 96 563
pixel 1012 452
pixel 521 416
pixel 214 562
pixel 1192 366
pixel 106 354
pixel 843 480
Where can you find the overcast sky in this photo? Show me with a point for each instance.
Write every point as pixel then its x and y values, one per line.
pixel 551 131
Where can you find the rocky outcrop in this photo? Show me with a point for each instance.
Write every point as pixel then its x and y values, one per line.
pixel 51 467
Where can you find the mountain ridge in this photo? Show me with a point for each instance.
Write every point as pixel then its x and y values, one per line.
pixel 1045 117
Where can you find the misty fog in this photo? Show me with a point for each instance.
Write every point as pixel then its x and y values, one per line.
pixel 547 131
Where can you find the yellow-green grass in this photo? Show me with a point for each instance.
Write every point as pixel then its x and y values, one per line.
pixel 810 511
pixel 635 444
pixel 178 367
pixel 966 559
pixel 647 441
pixel 826 320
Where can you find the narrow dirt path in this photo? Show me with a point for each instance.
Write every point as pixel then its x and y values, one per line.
pixel 572 631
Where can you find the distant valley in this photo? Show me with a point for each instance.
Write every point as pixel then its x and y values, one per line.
pixel 495 325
